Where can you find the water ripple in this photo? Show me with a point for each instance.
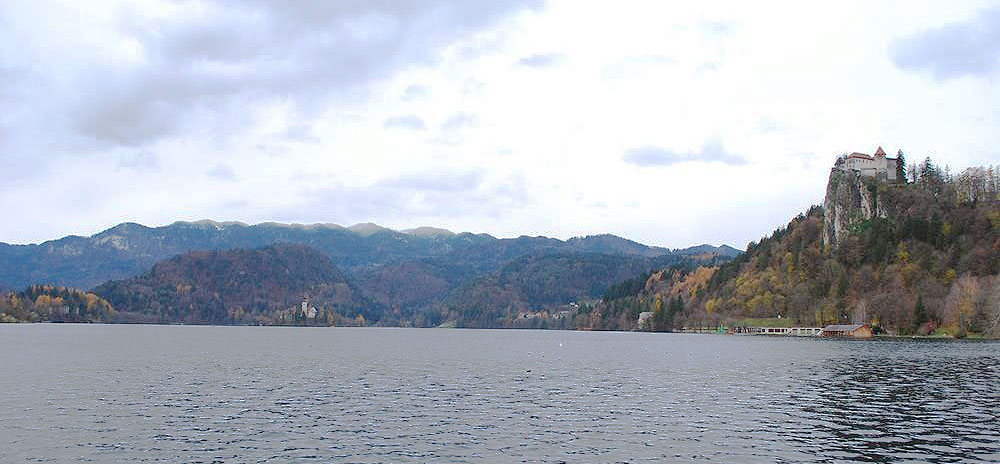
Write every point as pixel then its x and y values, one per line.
pixel 219 394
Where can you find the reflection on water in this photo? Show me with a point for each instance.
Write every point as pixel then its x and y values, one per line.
pixel 204 394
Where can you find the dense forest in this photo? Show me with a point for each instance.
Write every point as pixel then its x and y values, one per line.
pixel 129 249
pixel 260 286
pixel 406 274
pixel 55 304
pixel 266 285
pixel 925 261
pixel 546 290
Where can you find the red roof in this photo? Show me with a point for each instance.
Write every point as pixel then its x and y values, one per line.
pixel 859 155
pixel 879 152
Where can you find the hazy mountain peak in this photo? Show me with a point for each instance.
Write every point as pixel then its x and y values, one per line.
pixel 313 226
pixel 722 250
pixel 208 223
pixel 608 243
pixel 124 227
pixel 365 229
pixel 427 231
pixel 727 250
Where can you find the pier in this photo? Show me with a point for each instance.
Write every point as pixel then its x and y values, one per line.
pixel 790 331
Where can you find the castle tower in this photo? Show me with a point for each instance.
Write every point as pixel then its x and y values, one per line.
pixel 881 164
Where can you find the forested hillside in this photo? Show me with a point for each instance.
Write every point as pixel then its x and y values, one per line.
pixel 535 290
pixel 129 249
pixel 410 273
pixel 259 286
pixel 913 257
pixel 56 304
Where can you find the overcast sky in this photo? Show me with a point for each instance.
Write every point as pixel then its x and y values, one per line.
pixel 663 122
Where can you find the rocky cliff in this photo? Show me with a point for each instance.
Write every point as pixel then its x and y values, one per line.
pixel 850 200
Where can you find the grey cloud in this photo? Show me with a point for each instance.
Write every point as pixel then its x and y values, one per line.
pixel 712 151
pixel 541 60
pixel 434 182
pixel 128 117
pixel 409 121
pixel 201 69
pixel 953 50
pixel 652 156
pixel 482 45
pixel 139 161
pixel 460 121
pixel 413 196
pixel 222 172
pixel 299 132
pixel 414 92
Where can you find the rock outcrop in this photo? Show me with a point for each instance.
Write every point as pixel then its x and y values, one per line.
pixel 850 200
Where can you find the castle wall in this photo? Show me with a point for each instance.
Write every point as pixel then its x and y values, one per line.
pixel 877 167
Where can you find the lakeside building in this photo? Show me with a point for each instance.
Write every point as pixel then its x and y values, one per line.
pixel 644 318
pixel 848 331
pixel 878 165
pixel 792 331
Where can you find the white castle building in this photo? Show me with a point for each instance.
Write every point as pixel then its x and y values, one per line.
pixel 870 166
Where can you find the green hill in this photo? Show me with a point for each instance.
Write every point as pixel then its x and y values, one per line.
pixel 259 286
pixel 543 285
pixel 908 258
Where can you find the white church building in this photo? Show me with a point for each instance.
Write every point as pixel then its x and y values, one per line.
pixel 878 165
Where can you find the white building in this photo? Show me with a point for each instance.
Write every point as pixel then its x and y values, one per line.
pixel 308 311
pixel 870 166
pixel 644 320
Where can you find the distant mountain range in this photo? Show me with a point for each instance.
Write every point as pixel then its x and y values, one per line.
pixel 407 274
pixel 129 249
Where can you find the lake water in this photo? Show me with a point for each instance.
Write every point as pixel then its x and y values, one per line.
pixel 109 393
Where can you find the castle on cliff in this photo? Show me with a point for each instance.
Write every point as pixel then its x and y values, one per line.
pixel 878 166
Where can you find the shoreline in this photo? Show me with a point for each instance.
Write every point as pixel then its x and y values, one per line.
pixel 971 337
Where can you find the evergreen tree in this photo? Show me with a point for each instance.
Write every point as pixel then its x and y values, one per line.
pixel 931 177
pixel 676 307
pixel 919 313
pixel 660 322
pixel 900 167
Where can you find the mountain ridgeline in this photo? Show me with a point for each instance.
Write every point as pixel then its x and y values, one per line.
pixel 231 273
pixel 908 257
pixel 129 249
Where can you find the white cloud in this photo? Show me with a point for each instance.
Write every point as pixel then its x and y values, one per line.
pixel 503 117
pixel 541 60
pixel 408 121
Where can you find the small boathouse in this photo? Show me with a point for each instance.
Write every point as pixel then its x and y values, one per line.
pixel 848 331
